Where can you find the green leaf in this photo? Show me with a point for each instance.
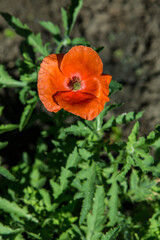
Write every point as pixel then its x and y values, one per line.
pixel 85 154
pixel 113 203
pixel 23 94
pixel 8 127
pixel 3 144
pixel 77 230
pixel 122 119
pixel 20 28
pixel 112 234
pixel 128 117
pixel 36 42
pixel 7 81
pixel 134 180
pixel 73 159
pixel 27 114
pixel 5 230
pixel 153 136
pixel 34 235
pixel 65 21
pixel 95 219
pixel 141 190
pixel 52 28
pixel 46 198
pixel 58 189
pixel 13 208
pixel 5 173
pixel 109 123
pixel 79 41
pixel 78 130
pixel 114 87
pixel 98 49
pixel 133 136
pixel 113 106
pixel 88 193
pixel 74 9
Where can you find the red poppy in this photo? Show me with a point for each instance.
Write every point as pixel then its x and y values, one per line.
pixel 74 82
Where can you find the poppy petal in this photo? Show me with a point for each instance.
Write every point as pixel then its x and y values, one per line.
pixel 50 81
pixel 91 86
pixel 84 105
pixel 104 81
pixel 83 62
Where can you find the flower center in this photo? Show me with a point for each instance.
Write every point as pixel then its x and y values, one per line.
pixel 74 83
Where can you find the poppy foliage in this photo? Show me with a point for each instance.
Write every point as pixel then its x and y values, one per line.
pixel 74 82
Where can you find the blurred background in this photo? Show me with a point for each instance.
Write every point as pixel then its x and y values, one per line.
pixel 129 31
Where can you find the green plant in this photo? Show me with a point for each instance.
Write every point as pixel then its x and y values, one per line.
pixel 80 182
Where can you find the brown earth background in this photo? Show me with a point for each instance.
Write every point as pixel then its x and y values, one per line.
pixel 129 31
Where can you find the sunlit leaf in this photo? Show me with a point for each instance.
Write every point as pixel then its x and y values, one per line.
pixel 112 234
pixel 6 230
pixel 36 42
pixel 95 219
pixel 7 81
pixel 13 208
pixel 8 127
pixel 19 27
pixel 5 173
pixel 27 114
pixel 88 193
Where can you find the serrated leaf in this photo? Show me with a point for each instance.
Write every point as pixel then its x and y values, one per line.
pixel 78 130
pixel 88 193
pixel 74 9
pixel 114 87
pixel 58 189
pixel 113 203
pixel 153 136
pixel 113 106
pixel 52 28
pixel 95 220
pixel 20 28
pixel 128 117
pixel 5 173
pixel 85 154
pixel 23 94
pixel 13 208
pixel 79 41
pixel 5 230
pixel 112 234
pixel 36 42
pixel 65 174
pixel 122 119
pixel 132 137
pixel 77 230
pixel 65 21
pixel 143 190
pixel 134 180
pixel 109 123
pixel 26 115
pixel 46 198
pixel 73 159
pixel 7 81
pixel 8 127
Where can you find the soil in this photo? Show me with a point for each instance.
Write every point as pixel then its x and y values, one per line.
pixel 129 31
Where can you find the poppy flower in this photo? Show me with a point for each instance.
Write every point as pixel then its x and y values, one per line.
pixel 74 82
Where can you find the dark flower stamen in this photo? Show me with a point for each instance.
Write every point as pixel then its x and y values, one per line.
pixel 74 83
